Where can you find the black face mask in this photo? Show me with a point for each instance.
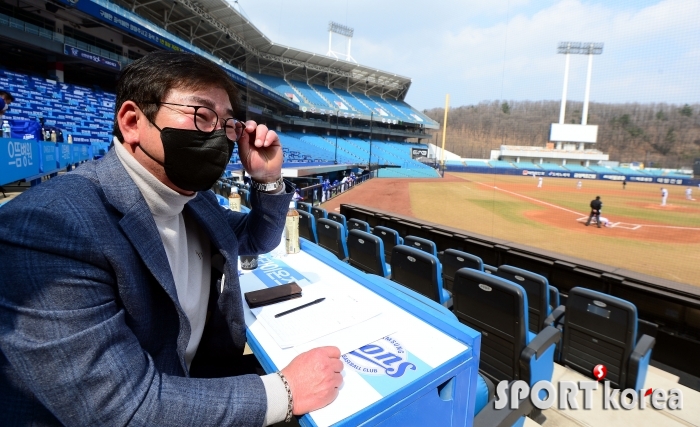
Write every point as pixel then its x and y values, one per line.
pixel 194 160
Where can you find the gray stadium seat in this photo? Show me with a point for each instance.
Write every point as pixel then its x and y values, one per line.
pixel 339 218
pixel 304 206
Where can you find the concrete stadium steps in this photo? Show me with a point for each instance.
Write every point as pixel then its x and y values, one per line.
pixel 648 417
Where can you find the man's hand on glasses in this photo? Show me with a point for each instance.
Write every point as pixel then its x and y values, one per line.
pixel 260 152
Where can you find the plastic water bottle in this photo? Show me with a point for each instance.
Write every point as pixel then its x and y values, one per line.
pixel 6 129
pixel 291 230
pixel 234 200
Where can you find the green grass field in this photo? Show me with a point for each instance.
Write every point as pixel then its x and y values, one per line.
pixel 666 244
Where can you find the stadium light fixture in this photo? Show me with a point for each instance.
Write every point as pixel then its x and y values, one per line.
pixel 578 48
pixel 341 30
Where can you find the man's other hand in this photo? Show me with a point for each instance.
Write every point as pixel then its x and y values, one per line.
pixel 261 152
pixel 314 378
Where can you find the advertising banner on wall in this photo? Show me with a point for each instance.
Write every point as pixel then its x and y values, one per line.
pixel 83 54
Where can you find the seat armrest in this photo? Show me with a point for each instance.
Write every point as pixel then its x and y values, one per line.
pixel 556 317
pixel 639 359
pixel 548 337
pixel 506 417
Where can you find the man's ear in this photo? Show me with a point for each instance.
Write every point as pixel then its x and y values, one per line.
pixel 129 118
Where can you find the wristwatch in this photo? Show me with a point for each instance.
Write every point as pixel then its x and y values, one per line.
pixel 271 186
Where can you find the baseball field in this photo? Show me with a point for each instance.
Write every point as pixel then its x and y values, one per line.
pixel 643 236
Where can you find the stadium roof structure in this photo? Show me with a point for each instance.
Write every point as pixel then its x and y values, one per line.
pixel 217 27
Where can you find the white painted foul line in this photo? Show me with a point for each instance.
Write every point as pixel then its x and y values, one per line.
pixel 585 218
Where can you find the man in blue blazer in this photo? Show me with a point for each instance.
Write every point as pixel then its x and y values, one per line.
pixel 119 294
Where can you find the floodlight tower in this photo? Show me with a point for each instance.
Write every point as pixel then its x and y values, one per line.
pixel 567 48
pixel 341 30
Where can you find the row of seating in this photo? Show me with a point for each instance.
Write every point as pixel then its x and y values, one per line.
pixel 524 329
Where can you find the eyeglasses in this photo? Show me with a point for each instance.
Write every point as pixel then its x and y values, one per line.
pixel 206 120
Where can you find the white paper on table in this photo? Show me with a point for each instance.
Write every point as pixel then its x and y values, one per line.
pixel 354 337
pixel 337 312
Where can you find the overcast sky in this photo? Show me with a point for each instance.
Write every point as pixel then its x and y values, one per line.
pixel 479 50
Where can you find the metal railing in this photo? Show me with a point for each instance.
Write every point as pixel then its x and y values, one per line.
pixel 315 194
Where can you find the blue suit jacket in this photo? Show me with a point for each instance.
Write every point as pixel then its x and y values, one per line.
pixel 91 330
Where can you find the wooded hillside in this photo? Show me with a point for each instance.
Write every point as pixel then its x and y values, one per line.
pixel 663 134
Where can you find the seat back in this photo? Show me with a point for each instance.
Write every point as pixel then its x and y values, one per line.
pixel 599 328
pixel 307 226
pixel 366 252
pixel 339 218
pixel 498 309
pixel 553 298
pixel 424 245
pixel 390 237
pixel 417 270
pixel 304 206
pixel 319 213
pixel 537 288
pixel 453 260
pixel 356 224
pixel 331 236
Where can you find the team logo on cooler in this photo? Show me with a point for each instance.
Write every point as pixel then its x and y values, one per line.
pixel 384 357
pixel 542 395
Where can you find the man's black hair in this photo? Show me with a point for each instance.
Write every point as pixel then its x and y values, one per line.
pixel 7 95
pixel 148 81
pixel 597 197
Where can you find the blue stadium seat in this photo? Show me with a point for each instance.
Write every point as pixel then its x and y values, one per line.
pixel 366 252
pixel 339 218
pixel 331 236
pixel 304 206
pixel 498 309
pixel 600 328
pixel 420 271
pixel 319 213
pixel 453 260
pixel 537 288
pixel 390 238
pixel 356 224
pixel 424 245
pixel 307 226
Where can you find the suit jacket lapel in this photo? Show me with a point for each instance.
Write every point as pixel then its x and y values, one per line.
pixel 138 223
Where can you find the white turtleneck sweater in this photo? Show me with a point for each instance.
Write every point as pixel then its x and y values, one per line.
pixel 187 247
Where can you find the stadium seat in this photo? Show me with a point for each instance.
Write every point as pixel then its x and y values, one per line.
pixel 553 298
pixel 489 269
pixel 498 309
pixel 339 218
pixel 223 201
pixel 390 238
pixel 537 288
pixel 424 245
pixel 600 328
pixel 319 213
pixel 356 224
pixel 366 252
pixel 453 260
pixel 419 271
pixel 331 236
pixel 305 206
pixel 307 226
